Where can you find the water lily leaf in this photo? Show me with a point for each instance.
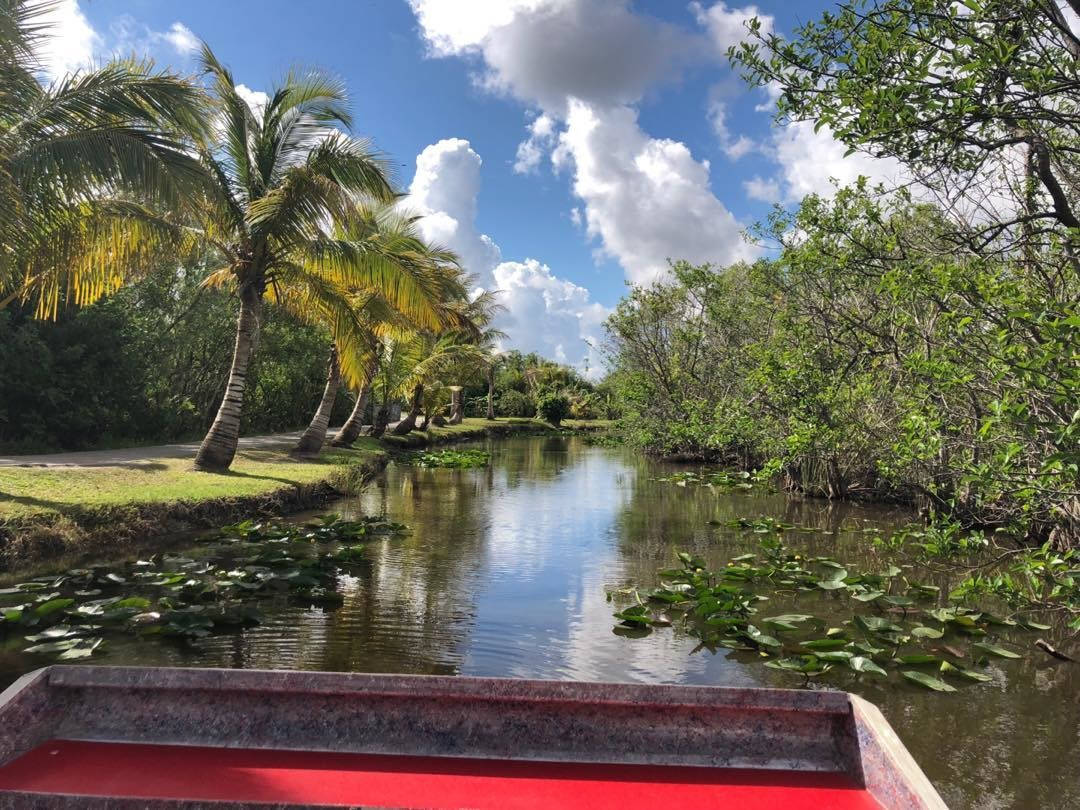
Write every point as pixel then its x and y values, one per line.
pixel 1028 624
pixel 861 663
pixel 787 621
pixel 758 637
pixel 82 650
pixel 876 624
pixel 899 601
pixel 868 596
pixel 52 606
pixel 834 655
pixel 824 644
pixel 928 681
pixel 926 632
pixel 919 658
pixel 831 584
pixel 993 649
pixel 970 674
pixel 869 649
pixel 53 646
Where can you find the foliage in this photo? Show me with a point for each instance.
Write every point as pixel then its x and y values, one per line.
pixel 869 358
pixel 456 459
pixel 907 634
pixel 217 586
pixel 553 408
pixel 515 404
pixel 146 365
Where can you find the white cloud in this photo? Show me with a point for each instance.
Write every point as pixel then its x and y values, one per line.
pixel 734 147
pixel 646 199
pixel 545 51
pixel 444 191
pixel 181 38
pixel 764 190
pixel 544 313
pixel 72 42
pixel 531 150
pixel 810 161
pixel 548 315
pixel 727 26
pixel 584 63
pixel 256 99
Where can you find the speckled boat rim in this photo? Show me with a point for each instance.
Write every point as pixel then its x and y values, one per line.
pixel 465 717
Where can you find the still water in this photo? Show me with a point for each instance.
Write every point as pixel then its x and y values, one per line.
pixel 505 573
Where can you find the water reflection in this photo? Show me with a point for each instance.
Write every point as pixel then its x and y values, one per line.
pixel 505 572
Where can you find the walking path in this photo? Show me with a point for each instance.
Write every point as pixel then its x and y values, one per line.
pixel 144 455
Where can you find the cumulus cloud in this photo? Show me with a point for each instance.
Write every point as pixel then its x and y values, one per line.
pixel 765 190
pixel 74 44
pixel 810 161
pixel 585 64
pixel 734 147
pixel 531 151
pixel 646 199
pixel 728 26
pixel 544 313
pixel 545 51
pixel 548 315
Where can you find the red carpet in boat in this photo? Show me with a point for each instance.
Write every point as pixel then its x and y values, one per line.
pixel 306 778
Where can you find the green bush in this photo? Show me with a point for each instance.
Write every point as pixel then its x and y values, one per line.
pixel 553 408
pixel 515 403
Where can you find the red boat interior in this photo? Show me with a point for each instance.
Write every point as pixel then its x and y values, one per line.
pixel 374 780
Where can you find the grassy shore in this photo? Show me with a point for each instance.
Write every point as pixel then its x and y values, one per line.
pixel 78 512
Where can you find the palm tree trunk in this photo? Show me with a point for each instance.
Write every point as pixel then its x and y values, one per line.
pixel 350 431
pixel 408 424
pixel 219 447
pixel 491 392
pixel 315 435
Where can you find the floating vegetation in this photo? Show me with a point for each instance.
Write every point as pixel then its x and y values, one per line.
pixel 908 631
pixel 454 459
pixel 219 586
pixel 719 479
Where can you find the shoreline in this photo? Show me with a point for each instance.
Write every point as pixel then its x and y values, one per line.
pixel 76 532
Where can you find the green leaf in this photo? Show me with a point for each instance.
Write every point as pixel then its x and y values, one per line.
pixel 824 644
pixel 926 632
pixel 52 606
pixel 928 681
pixel 993 649
pixel 869 596
pixel 861 663
pixel 919 658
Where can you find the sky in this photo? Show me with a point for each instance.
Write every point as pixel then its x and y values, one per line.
pixel 564 148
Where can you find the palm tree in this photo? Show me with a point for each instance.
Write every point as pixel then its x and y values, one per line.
pixel 284 180
pixel 88 165
pixel 441 284
pixel 449 354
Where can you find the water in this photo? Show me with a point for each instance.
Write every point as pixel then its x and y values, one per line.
pixel 505 572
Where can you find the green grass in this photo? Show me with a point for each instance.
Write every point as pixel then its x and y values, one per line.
pixel 28 491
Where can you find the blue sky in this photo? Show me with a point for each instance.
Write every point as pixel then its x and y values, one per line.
pixel 647 146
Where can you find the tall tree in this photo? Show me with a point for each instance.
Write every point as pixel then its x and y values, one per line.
pixel 285 177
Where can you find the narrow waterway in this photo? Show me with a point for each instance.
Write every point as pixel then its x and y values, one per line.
pixel 505 572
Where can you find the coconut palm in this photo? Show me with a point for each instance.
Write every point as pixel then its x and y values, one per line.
pixel 284 180
pixel 88 165
pixel 353 353
pixel 453 353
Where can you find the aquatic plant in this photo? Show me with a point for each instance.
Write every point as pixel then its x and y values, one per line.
pixel 215 586
pixel 908 631
pixel 456 459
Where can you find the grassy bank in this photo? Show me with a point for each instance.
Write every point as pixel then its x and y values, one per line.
pixel 74 513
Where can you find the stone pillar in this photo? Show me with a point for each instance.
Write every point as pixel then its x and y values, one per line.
pixel 455 405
